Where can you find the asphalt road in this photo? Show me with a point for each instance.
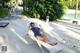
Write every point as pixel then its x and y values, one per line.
pixel 69 33
pixel 13 34
pixel 72 27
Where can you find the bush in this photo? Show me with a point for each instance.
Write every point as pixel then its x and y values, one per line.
pixel 4 12
pixel 43 8
pixel 6 1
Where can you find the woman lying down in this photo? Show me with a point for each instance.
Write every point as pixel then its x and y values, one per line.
pixel 38 34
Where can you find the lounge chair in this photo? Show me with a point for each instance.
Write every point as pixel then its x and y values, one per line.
pixel 50 48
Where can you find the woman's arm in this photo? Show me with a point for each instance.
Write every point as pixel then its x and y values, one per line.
pixel 29 28
pixel 41 28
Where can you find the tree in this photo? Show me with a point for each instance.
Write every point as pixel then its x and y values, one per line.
pixel 71 4
pixel 6 1
pixel 4 11
pixel 43 8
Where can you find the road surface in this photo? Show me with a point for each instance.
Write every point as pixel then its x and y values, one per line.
pixel 14 37
pixel 13 34
pixel 69 33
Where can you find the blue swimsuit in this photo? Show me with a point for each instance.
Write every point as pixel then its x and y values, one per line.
pixel 36 31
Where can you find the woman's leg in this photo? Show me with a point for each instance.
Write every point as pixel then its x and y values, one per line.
pixel 39 38
pixel 45 38
pixel 42 38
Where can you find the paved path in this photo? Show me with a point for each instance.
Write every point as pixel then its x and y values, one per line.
pixel 16 44
pixel 66 36
pixel 17 29
pixel 72 27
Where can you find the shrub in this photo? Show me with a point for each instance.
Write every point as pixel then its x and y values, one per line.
pixel 4 12
pixel 43 8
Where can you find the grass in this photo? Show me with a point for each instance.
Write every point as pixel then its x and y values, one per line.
pixel 4 12
pixel 26 14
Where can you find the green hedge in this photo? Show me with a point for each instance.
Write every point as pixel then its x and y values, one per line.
pixel 43 8
pixel 4 12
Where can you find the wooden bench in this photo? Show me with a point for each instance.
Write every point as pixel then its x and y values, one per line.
pixel 50 48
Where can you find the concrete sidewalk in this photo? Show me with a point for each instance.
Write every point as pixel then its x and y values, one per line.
pixel 69 21
pixel 15 33
pixel 17 30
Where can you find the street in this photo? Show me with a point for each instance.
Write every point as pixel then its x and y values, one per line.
pixel 69 33
pixel 16 31
pixel 13 34
pixel 70 26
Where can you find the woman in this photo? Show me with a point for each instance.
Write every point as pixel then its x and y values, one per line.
pixel 37 32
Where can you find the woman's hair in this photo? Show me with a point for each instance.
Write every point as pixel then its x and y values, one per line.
pixel 31 23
